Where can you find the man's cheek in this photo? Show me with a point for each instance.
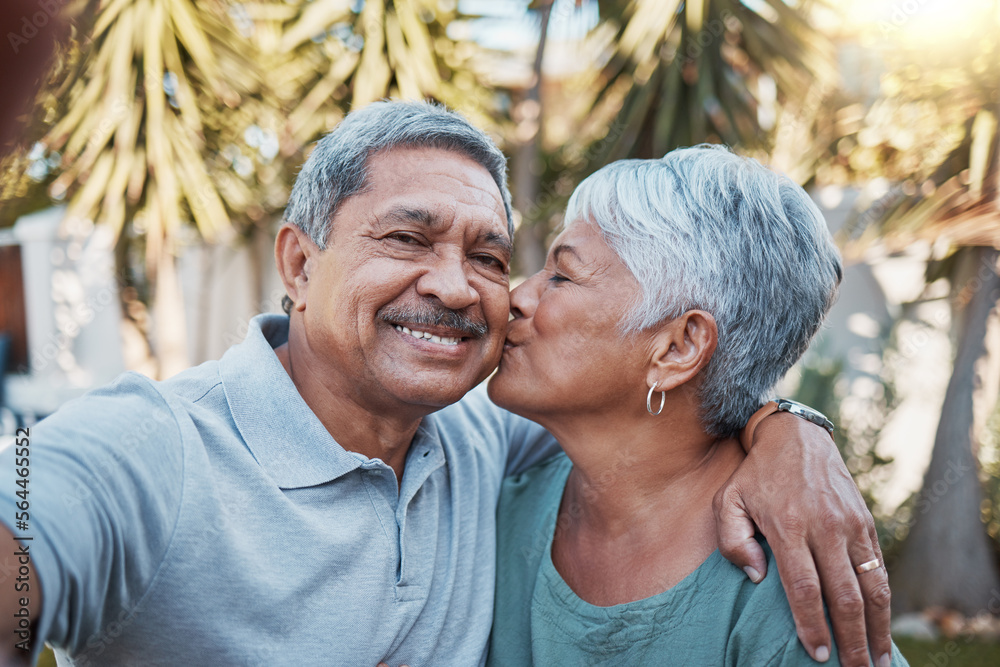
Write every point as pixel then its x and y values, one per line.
pixel 495 350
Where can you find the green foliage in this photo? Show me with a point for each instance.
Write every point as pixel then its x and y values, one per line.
pixel 958 652
pixel 989 458
pixel 161 113
pixel 675 74
pixel 823 385
pixel 932 133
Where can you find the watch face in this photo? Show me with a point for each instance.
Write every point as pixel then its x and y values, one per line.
pixel 805 412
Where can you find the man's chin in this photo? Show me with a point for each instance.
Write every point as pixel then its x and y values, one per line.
pixel 433 396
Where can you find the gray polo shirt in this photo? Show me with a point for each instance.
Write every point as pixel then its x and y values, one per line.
pixel 212 519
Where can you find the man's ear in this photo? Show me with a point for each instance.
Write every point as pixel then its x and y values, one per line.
pixel 292 250
pixel 681 348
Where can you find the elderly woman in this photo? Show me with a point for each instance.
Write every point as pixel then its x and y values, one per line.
pixel 677 295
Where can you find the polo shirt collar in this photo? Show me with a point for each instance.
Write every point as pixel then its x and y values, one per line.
pixel 286 438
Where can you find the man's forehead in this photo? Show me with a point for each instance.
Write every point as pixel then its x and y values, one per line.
pixel 415 164
pixel 433 186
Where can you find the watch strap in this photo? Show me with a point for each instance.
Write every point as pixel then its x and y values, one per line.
pixel 746 433
pixel 781 405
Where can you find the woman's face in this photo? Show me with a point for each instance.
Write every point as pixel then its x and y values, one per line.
pixel 564 352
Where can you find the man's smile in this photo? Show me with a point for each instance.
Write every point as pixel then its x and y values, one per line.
pixel 427 335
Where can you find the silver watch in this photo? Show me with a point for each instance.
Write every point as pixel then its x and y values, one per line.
pixel 805 412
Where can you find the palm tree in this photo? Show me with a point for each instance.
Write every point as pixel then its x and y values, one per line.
pixel 935 134
pixel 670 73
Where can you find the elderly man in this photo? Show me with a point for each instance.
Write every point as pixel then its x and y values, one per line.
pixel 325 493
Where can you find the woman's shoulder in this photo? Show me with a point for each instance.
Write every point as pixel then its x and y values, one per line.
pixel 763 629
pixel 540 474
pixel 534 490
pixel 529 502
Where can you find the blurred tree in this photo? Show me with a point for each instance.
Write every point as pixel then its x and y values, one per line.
pixel 122 134
pixel 669 73
pixel 164 113
pixel 323 57
pixel 933 132
pixel 822 385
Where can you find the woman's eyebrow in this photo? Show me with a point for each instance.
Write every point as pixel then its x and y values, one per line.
pixel 566 248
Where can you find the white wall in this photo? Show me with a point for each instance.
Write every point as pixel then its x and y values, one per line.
pixel 72 309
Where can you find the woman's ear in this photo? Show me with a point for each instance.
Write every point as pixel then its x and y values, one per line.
pixel 292 250
pixel 681 348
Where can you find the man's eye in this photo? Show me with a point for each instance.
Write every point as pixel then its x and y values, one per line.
pixel 556 278
pixel 404 237
pixel 489 261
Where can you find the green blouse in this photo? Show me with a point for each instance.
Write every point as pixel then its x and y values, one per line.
pixel 715 616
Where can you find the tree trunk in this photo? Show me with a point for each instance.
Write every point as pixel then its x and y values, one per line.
pixel 524 173
pixel 168 314
pixel 948 560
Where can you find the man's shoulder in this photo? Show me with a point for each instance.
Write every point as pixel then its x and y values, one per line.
pixel 133 402
pixel 193 384
pixel 129 396
pixel 476 414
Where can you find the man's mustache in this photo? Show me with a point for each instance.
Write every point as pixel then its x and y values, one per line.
pixel 434 316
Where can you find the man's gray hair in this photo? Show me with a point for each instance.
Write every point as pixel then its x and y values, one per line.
pixel 705 229
pixel 338 166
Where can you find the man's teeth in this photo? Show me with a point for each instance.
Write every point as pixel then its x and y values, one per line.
pixel 423 335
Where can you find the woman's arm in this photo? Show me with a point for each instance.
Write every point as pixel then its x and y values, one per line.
pixel 795 487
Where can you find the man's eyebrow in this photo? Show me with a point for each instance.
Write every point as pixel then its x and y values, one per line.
pixel 500 240
pixel 408 214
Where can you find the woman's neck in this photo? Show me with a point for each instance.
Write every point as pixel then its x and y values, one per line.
pixel 636 514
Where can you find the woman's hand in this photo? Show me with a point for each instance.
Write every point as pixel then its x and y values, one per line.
pixel 795 487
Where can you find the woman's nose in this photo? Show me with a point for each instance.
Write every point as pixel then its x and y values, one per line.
pixel 524 297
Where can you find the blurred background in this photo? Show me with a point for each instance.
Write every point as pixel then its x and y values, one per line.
pixel 150 146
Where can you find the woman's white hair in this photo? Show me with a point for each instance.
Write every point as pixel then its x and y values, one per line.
pixel 705 229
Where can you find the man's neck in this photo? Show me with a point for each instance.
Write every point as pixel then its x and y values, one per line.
pixel 385 433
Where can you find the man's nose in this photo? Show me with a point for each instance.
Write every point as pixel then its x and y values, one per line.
pixel 447 279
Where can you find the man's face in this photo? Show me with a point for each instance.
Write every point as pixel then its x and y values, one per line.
pixel 409 302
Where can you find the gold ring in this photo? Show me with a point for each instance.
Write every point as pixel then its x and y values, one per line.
pixel 870 565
